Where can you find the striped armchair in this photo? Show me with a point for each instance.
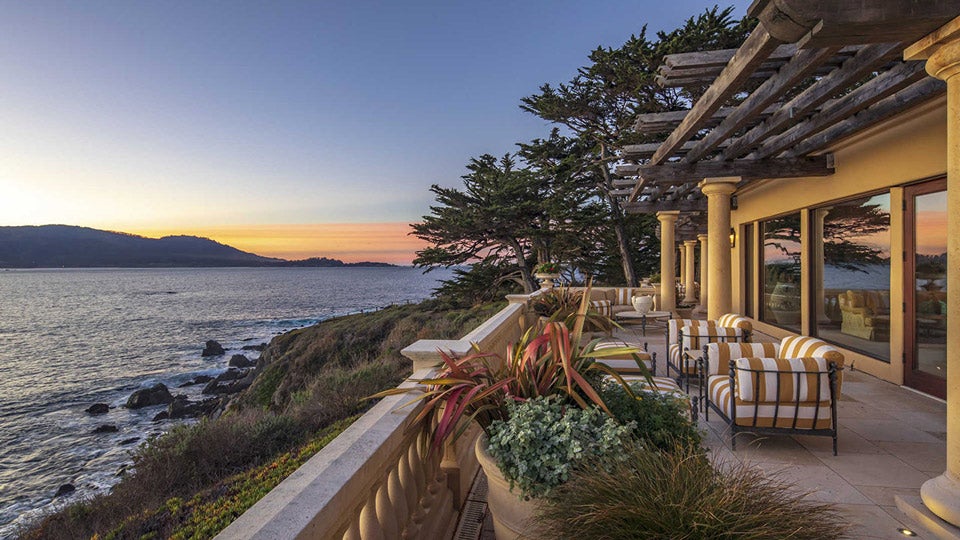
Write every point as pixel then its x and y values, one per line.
pixel 686 338
pixel 627 367
pixel 789 387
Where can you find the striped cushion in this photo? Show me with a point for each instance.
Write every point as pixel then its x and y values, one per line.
pixel 810 415
pixel 676 358
pixel 720 354
pixel 695 337
pixel 664 385
pixel 624 363
pixel 624 295
pixel 809 347
pixel 781 379
pixel 732 320
pixel 602 307
pixel 674 326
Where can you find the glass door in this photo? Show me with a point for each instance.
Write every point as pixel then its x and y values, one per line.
pixel 925 287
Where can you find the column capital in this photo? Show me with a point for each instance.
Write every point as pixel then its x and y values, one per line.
pixel 941 50
pixel 668 215
pixel 702 238
pixel 690 243
pixel 723 185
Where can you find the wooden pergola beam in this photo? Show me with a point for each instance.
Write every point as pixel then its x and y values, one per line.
pixel 757 47
pixel 644 151
pixel 866 60
pixel 720 58
pixel 646 207
pixel 913 95
pixel 680 173
pixel 795 70
pixel 878 88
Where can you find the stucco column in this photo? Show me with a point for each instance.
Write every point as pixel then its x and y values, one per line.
pixel 718 190
pixel 703 270
pixel 819 216
pixel 668 271
pixel 941 49
pixel 682 266
pixel 690 271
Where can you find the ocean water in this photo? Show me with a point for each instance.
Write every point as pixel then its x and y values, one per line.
pixel 71 338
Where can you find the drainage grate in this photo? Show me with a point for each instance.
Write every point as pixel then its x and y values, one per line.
pixel 474 510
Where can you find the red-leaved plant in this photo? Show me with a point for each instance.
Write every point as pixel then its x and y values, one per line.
pixel 548 362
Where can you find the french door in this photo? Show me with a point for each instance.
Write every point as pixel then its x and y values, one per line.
pixel 925 287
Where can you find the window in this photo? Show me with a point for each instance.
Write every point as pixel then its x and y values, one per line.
pixel 781 272
pixel 851 274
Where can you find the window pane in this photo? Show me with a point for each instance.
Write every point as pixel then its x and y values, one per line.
pixel 781 272
pixel 852 304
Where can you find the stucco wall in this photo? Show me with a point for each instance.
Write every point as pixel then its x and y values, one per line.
pixel 903 150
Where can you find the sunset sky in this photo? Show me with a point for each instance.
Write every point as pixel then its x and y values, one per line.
pixel 291 129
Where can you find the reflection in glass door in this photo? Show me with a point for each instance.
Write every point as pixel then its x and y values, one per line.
pixel 925 366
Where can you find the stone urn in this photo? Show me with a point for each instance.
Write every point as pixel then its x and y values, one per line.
pixel 546 279
pixel 642 304
pixel 512 515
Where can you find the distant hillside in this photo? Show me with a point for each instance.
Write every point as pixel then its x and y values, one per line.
pixel 56 246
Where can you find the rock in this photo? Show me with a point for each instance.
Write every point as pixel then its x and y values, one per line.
pixel 162 415
pixel 97 408
pixel 202 379
pixel 212 348
pixel 157 394
pixel 106 428
pixel 131 440
pixel 257 347
pixel 232 374
pixel 240 361
pixel 181 407
pixel 65 489
pixel 232 387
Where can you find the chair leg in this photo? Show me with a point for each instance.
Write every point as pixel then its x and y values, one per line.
pixel 834 443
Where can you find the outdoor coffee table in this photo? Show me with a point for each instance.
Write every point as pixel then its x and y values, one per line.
pixel 635 316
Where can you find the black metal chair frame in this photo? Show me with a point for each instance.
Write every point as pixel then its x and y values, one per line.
pixel 793 430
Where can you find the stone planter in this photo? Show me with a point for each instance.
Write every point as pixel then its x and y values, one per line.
pixel 546 280
pixel 512 515
pixel 642 304
pixel 684 313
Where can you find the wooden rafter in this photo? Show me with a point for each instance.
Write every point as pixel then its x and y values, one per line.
pixel 646 207
pixel 675 173
pixel 757 47
pixel 886 84
pixel 858 66
pixel 798 68
pixel 911 96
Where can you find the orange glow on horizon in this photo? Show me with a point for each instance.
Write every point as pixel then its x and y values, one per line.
pixel 349 242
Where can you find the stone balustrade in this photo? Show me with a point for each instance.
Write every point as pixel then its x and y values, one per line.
pixel 377 480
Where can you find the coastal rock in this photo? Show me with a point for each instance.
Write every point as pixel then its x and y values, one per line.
pixel 65 489
pixel 240 361
pixel 212 348
pixel 257 347
pixel 199 379
pixel 231 374
pixel 106 428
pixel 162 415
pixel 230 385
pixel 181 407
pixel 131 440
pixel 157 394
pixel 97 408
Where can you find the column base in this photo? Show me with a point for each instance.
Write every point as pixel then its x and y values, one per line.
pixel 942 496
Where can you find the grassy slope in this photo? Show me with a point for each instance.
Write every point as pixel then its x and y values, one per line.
pixel 193 481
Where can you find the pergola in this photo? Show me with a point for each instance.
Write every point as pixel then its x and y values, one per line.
pixel 813 72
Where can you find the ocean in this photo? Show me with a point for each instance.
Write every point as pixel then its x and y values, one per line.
pixel 70 338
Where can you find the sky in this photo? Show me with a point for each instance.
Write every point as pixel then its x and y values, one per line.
pixel 290 129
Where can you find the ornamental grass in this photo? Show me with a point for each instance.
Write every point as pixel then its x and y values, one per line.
pixel 681 495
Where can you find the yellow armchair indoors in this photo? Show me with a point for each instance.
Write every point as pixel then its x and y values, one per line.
pixel 866 314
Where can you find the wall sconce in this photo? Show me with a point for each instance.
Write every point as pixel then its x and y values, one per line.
pixel 733 238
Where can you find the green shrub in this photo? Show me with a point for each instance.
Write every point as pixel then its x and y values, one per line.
pixel 662 420
pixel 680 494
pixel 545 438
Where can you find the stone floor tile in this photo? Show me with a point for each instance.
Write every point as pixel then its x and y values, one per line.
pixel 922 420
pixel 871 521
pixel 926 457
pixel 888 431
pixel 820 482
pixel 875 470
pixel 848 442
pixel 884 496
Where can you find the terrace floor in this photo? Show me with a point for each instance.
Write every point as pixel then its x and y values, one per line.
pixel 891 440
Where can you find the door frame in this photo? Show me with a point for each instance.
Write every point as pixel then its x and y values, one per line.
pixel 913 378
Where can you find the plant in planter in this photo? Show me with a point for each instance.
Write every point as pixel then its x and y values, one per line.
pixel 547 268
pixel 560 304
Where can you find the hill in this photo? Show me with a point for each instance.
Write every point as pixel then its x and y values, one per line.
pixel 66 246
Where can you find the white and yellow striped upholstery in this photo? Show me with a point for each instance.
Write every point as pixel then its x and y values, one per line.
pixel 674 326
pixel 719 355
pixel 695 337
pixel 782 379
pixel 624 363
pixel 675 355
pixel 809 415
pixel 663 385
pixel 811 347
pixel 622 295
pixel 602 307
pixel 732 320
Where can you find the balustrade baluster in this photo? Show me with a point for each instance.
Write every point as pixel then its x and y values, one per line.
pixel 370 528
